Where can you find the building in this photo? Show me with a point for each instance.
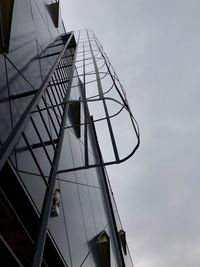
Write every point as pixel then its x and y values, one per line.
pixel 59 99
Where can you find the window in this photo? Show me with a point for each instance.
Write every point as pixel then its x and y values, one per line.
pixel 122 237
pixel 6 10
pixel 75 117
pixel 103 246
pixel 54 13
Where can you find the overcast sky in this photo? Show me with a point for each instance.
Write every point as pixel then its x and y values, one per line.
pixel 154 46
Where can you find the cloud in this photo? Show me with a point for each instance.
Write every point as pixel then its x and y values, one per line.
pixel 154 47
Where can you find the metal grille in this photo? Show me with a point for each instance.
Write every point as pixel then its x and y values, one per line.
pixel 104 105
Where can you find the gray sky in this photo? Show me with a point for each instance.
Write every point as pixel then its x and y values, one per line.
pixel 154 47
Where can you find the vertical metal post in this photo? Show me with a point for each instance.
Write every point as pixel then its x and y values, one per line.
pixel 85 113
pixel 101 96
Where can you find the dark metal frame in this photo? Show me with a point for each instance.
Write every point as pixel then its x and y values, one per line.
pixel 56 105
pixel 57 76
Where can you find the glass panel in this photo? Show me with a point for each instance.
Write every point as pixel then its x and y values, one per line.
pixel 75 224
pixel 58 229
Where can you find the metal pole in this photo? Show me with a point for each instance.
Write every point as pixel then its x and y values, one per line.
pixel 46 208
pixel 85 112
pixel 101 96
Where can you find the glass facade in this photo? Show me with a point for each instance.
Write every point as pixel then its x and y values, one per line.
pixel 56 203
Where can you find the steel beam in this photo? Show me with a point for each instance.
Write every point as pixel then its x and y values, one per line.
pixel 46 208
